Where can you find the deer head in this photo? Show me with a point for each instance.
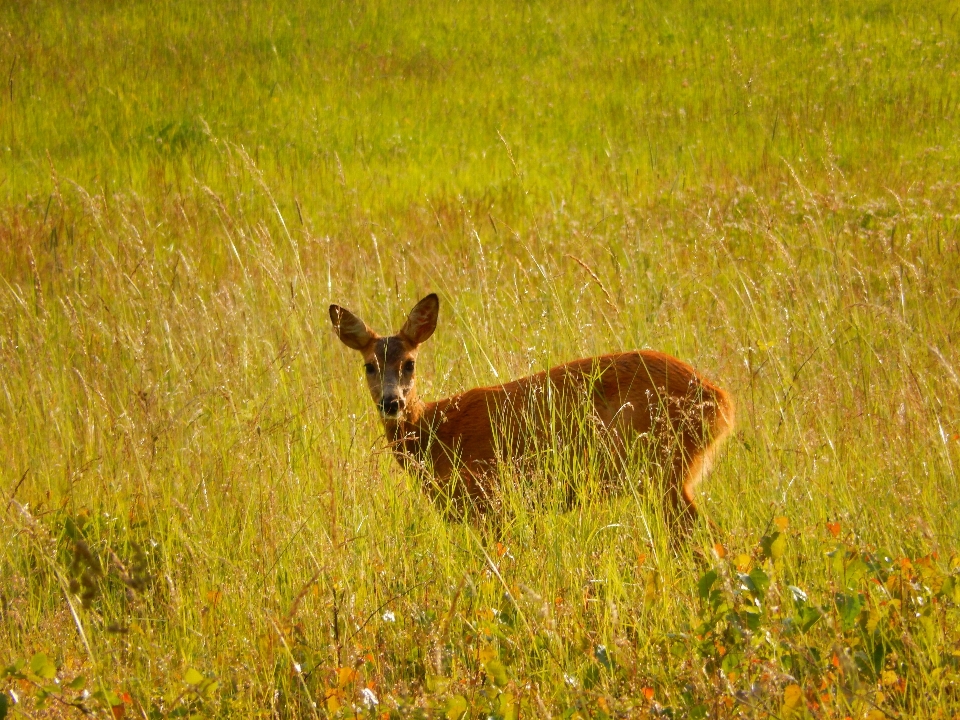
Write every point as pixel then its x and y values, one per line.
pixel 389 362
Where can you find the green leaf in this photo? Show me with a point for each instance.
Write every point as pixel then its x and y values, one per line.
pixel 193 677
pixel 837 556
pixel 849 607
pixel 590 676
pixel 508 707
pixel 778 547
pixel 437 683
pixel 107 699
pixel 498 671
pixel 600 652
pixel 855 570
pixel 809 616
pixel 77 683
pixel 774 545
pixel 42 666
pixel 706 582
pixel 760 581
pixel 879 657
pixel 954 590
pixel 946 590
pixel 731 661
pixel 865 665
pixel 4 705
pixel 456 707
pixel 950 590
pixel 14 670
pixel 751 617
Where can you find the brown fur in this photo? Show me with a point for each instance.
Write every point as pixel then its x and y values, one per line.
pixel 630 397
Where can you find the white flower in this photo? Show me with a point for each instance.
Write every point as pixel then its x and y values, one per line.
pixel 369 698
pixel 388 616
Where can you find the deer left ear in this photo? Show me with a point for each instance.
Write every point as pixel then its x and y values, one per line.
pixel 422 320
pixel 352 331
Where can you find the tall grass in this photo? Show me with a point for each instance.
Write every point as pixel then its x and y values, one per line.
pixel 200 515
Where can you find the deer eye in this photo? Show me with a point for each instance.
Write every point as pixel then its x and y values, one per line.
pixel 408 367
pixel 370 368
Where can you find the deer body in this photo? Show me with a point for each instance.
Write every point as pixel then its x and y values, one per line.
pixel 626 398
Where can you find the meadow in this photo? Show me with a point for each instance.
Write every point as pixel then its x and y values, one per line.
pixel 200 515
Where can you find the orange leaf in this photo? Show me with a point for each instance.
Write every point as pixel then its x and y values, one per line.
pixel 719 550
pixel 648 693
pixel 334 698
pixel 781 522
pixel 346 676
pixel 792 697
pixel 501 549
pixel 834 528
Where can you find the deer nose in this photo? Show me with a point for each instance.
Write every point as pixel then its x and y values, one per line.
pixel 392 405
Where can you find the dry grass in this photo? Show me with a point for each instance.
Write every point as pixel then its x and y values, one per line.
pixel 200 517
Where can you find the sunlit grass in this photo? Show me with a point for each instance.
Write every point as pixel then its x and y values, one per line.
pixel 200 515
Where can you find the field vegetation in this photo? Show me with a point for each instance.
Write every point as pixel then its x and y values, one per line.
pixel 199 514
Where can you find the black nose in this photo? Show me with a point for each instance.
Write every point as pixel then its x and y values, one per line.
pixel 391 405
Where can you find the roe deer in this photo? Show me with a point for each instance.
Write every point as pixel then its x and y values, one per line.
pixel 638 397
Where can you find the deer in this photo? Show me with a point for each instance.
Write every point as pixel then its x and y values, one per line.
pixel 638 398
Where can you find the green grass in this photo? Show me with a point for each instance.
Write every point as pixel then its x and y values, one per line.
pixel 199 513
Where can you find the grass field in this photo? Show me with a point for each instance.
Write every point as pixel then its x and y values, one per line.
pixel 200 517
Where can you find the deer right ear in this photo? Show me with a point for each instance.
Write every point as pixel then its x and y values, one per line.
pixel 352 331
pixel 423 320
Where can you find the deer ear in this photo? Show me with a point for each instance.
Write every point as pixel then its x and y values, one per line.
pixel 422 321
pixel 352 331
